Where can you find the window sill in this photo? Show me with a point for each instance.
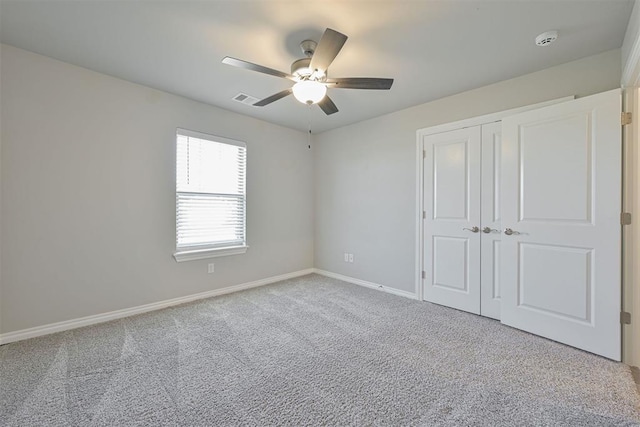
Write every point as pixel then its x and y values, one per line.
pixel 208 253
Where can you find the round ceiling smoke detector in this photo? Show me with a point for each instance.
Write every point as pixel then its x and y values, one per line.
pixel 546 38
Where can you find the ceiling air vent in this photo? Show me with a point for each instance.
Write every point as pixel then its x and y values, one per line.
pixel 245 99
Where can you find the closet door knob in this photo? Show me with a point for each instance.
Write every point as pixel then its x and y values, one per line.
pixel 473 229
pixel 509 231
pixel 489 230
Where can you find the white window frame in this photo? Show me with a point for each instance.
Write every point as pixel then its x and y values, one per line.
pixel 203 252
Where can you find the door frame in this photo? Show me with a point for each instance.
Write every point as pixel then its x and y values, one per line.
pixel 631 232
pixel 630 82
pixel 446 127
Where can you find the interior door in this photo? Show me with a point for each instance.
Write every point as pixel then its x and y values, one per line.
pixel 561 201
pixel 452 219
pixel 491 225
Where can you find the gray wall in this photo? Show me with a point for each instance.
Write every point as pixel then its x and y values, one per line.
pixel 88 194
pixel 365 174
pixel 87 187
pixel 630 76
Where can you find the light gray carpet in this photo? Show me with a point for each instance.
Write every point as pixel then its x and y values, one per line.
pixel 309 351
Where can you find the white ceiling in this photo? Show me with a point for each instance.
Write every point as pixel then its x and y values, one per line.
pixel 432 48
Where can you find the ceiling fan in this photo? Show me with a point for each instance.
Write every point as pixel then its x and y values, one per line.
pixel 310 74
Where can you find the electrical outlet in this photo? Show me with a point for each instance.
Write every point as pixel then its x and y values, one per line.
pixel 346 257
pixel 210 268
pixel 350 257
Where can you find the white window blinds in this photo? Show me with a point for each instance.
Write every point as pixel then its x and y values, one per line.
pixel 210 192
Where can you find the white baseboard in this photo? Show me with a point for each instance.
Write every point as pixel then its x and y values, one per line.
pixel 366 284
pixel 118 314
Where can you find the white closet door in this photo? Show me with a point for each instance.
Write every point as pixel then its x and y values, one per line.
pixel 490 215
pixel 560 269
pixel 452 205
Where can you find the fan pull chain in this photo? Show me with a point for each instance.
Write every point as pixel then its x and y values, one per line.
pixel 309 133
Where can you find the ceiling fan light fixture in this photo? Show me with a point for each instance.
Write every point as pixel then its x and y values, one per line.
pixel 309 91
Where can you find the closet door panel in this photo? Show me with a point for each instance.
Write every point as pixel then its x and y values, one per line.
pixel 560 264
pixel 490 216
pixel 452 221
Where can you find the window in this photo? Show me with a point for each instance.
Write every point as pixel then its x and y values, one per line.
pixel 210 196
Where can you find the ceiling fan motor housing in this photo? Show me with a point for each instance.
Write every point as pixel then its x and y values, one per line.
pixel 300 68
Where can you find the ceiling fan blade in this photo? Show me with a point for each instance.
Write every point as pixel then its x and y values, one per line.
pixel 273 98
pixel 328 48
pixel 328 106
pixel 255 67
pixel 360 83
